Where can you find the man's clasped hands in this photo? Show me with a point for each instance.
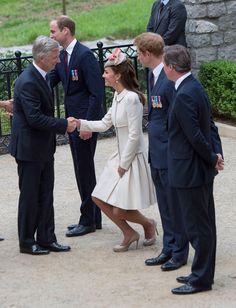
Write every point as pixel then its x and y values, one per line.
pixel 220 163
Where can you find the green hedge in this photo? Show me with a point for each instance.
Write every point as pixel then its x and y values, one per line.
pixel 219 79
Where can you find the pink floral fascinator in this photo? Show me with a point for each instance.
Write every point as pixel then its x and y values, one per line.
pixel 116 58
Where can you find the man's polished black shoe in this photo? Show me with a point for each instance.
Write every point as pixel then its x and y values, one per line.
pixel 1 239
pixel 162 258
pixel 34 250
pixel 80 230
pixel 70 227
pixel 56 247
pixel 189 289
pixel 98 226
pixel 172 265
pixel 183 279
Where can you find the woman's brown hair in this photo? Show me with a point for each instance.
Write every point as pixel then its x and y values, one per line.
pixel 128 78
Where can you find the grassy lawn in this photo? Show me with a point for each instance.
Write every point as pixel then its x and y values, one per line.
pixel 22 21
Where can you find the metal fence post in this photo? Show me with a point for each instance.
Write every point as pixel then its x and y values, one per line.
pixel 100 55
pixel 101 63
pixel 18 62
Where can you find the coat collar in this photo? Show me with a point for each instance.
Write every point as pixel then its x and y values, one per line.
pixel 121 95
pixel 186 79
pixel 181 79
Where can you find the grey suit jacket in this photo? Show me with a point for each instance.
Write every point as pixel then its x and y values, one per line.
pixel 170 24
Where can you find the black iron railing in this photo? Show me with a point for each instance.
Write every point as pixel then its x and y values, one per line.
pixel 10 69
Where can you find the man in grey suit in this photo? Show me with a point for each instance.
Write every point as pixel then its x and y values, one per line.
pixel 168 18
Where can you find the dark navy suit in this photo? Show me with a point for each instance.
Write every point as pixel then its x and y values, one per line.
pixel 33 142
pixel 170 24
pixel 193 144
pixel 175 243
pixel 84 88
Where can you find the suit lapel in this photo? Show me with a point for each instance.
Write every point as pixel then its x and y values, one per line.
pixel 163 13
pixel 155 89
pixel 43 84
pixel 72 64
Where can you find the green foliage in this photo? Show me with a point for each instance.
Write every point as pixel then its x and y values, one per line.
pixel 22 21
pixel 219 79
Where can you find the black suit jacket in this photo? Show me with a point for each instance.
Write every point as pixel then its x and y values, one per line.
pixel 83 85
pixel 193 137
pixel 171 24
pixel 157 121
pixel 34 127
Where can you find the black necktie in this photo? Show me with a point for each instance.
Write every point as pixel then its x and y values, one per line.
pixel 48 82
pixel 152 78
pixel 161 7
pixel 66 61
pixel 160 10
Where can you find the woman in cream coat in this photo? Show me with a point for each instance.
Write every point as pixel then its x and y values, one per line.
pixel 125 185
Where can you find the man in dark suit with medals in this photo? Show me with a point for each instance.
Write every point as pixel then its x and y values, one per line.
pixel 81 78
pixel 174 252
pixel 168 18
pixel 33 143
pixel 194 157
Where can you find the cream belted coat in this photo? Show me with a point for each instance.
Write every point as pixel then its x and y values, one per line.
pixel 135 189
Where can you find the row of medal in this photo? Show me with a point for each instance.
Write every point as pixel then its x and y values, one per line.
pixel 156 101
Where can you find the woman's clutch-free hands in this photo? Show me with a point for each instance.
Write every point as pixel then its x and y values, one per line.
pixel 84 135
pixel 121 171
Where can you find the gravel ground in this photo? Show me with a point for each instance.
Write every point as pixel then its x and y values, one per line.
pixel 91 275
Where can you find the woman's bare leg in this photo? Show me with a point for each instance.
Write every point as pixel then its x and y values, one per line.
pixel 136 217
pixel 107 209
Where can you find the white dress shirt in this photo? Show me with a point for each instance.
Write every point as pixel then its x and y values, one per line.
pixel 178 81
pixel 69 49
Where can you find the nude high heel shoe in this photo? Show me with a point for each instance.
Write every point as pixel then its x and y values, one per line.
pixel 122 248
pixel 152 240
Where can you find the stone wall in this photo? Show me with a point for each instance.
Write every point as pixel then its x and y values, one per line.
pixel 211 30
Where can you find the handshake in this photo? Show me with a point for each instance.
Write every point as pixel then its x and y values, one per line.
pixel 72 124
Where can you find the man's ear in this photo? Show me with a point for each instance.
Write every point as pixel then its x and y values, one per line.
pixel 65 30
